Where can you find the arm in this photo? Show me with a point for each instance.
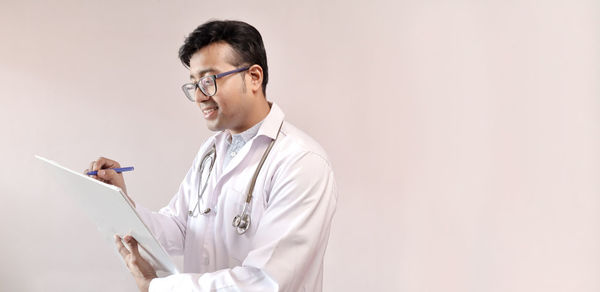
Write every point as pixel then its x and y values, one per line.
pixel 169 224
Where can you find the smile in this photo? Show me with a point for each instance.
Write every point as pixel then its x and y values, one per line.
pixel 209 112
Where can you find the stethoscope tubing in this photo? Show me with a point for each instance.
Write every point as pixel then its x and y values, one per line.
pixel 212 153
pixel 241 221
pixel 260 164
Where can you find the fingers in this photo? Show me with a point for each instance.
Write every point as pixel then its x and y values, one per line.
pixel 131 255
pixel 91 167
pixel 102 163
pixel 133 245
pixel 123 251
pixel 107 175
pixel 142 270
pixel 131 249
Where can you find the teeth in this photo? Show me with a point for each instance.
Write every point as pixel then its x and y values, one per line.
pixel 208 111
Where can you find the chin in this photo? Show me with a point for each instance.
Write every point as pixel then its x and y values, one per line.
pixel 214 126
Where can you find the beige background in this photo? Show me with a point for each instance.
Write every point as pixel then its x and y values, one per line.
pixel 465 135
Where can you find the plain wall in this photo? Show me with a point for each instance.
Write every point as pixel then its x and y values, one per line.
pixel 464 135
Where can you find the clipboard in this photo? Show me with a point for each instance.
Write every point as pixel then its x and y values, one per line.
pixel 112 212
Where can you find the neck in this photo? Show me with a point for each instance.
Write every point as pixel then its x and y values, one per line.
pixel 259 111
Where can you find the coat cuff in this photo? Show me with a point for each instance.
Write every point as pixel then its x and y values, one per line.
pixel 161 284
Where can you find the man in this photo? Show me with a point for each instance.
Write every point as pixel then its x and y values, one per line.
pixel 274 238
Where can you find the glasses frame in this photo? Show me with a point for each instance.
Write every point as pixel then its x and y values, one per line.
pixel 214 79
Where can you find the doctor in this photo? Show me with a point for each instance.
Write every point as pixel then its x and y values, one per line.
pixel 240 224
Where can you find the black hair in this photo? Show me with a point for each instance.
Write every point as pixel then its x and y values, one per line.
pixel 245 40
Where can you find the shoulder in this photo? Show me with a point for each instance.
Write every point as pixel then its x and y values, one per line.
pixel 295 145
pixel 300 168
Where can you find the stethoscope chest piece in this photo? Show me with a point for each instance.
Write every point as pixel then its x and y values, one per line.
pixel 241 223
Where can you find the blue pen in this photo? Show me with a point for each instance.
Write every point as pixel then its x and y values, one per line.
pixel 118 170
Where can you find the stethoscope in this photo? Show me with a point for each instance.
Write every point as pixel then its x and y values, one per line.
pixel 241 222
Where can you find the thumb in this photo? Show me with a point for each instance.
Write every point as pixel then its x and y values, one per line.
pixel 107 174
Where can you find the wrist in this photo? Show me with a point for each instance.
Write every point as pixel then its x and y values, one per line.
pixel 144 286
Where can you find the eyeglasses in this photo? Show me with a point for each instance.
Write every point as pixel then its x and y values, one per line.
pixel 207 84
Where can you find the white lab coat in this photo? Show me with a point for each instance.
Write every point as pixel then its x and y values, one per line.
pixel 291 211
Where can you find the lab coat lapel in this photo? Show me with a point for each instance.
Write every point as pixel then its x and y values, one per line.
pixel 269 128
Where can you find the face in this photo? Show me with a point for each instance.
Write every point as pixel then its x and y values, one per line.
pixel 230 106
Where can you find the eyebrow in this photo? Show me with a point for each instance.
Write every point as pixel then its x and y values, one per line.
pixel 200 73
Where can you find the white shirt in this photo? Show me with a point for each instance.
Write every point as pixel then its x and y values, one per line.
pixel 291 211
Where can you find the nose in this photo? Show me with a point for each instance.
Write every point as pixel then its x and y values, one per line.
pixel 200 97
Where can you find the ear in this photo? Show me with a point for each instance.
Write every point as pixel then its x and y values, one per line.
pixel 255 74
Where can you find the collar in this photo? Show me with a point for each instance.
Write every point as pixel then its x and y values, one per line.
pixel 244 136
pixel 272 122
pixel 269 128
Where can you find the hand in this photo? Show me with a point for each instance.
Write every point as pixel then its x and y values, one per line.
pixel 141 270
pixel 108 176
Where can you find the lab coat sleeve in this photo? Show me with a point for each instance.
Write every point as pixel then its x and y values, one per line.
pixel 168 225
pixel 290 239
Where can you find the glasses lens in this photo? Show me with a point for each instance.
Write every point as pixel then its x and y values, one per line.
pixel 190 90
pixel 208 86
